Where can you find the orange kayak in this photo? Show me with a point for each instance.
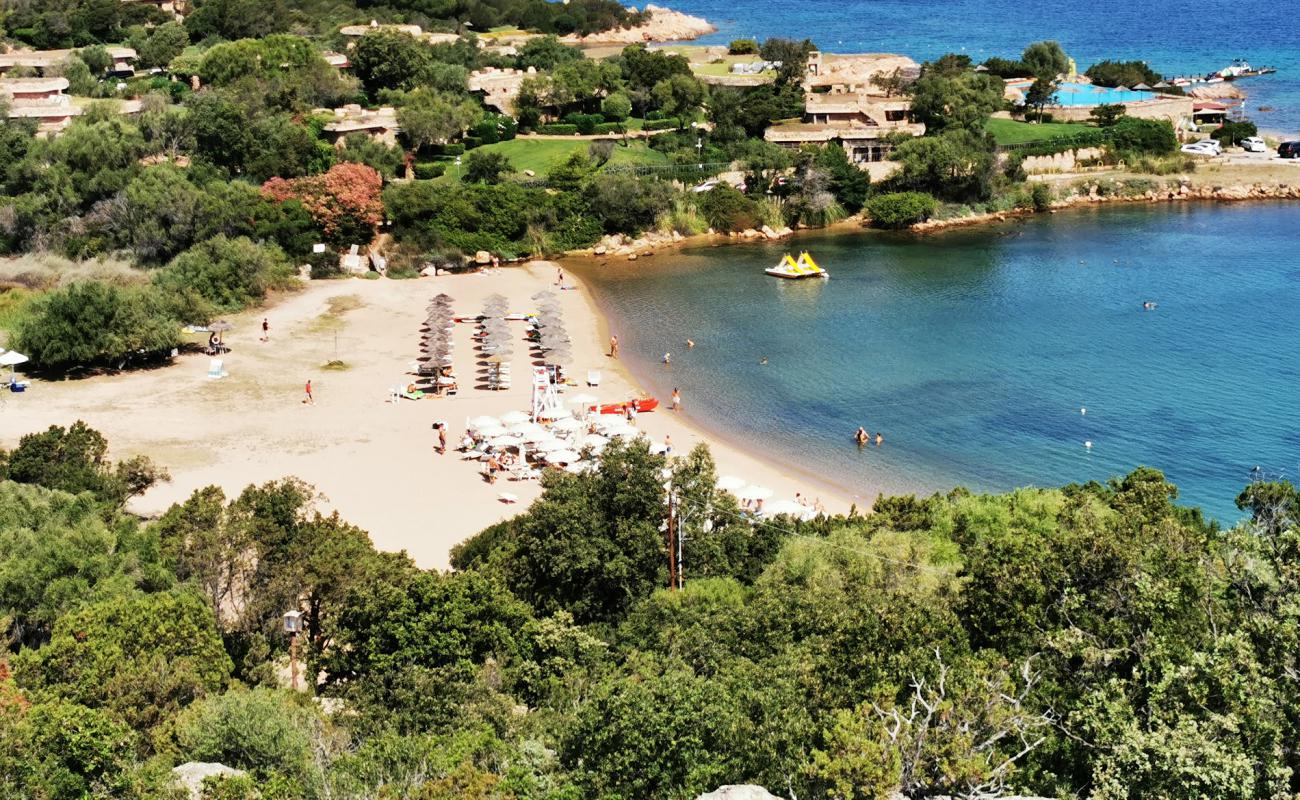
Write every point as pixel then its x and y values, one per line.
pixel 642 406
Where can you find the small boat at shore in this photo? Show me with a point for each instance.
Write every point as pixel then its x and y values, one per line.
pixel 791 269
pixel 642 406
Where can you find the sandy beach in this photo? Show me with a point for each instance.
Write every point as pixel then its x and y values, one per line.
pixel 372 460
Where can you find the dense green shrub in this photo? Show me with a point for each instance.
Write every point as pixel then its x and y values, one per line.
pixel 231 274
pixel 1155 136
pixel 558 129
pixel 610 127
pixel 662 124
pixel 428 170
pixel 1231 133
pixel 585 123
pixel 89 324
pixel 743 47
pixel 900 209
pixel 728 209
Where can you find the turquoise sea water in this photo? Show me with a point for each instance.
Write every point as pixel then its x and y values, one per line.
pixel 1174 37
pixel 973 351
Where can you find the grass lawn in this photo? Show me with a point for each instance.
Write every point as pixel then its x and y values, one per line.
pixel 1010 131
pixel 542 155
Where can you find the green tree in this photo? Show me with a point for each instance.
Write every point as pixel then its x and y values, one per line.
pixel 627 204
pixel 142 658
pixel 545 53
pixel 591 545
pixel 231 274
pixel 1042 92
pixel 390 60
pixel 1122 73
pixel 948 94
pixel 487 167
pixel 62 751
pixel 236 19
pixel 678 96
pixel 956 165
pixel 88 324
pixel 75 460
pixel 165 42
pixel 1046 59
pixel 429 117
pixel 1107 114
pixel 617 107
pixel 728 209
pixel 265 731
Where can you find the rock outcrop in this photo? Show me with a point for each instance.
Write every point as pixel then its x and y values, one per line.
pixel 664 25
pixel 739 792
pixel 191 775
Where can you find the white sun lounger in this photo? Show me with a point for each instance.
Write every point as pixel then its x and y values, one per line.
pixel 593 377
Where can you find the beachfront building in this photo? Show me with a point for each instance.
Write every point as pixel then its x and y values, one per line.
pixel 379 124
pixel 357 31
pixel 42 60
pixel 175 7
pixel 1208 112
pixel 499 88
pixel 40 99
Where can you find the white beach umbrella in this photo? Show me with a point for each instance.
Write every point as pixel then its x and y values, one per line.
pixel 527 429
pixel 786 507
pixel 568 424
pixel 593 440
pixel 555 412
pixel 514 417
pixel 506 441
pixel 730 483
pixel 581 468
pixel 491 431
pixel 483 422
pixel 582 399
pixel 562 457
pixel 549 445
pixel 754 493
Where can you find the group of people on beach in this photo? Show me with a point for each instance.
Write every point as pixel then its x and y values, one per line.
pixel 863 438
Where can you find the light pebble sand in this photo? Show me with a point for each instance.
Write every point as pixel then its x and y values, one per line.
pixel 373 461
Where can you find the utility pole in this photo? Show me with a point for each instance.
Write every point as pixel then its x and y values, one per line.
pixel 672 540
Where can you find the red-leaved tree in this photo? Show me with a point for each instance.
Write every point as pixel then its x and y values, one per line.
pixel 345 201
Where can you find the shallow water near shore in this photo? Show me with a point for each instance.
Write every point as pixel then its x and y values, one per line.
pixel 1176 38
pixel 973 351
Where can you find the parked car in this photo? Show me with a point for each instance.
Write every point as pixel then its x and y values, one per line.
pixel 1254 144
pixel 1208 147
pixel 1289 150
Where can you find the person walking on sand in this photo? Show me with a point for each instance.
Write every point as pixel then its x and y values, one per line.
pixel 677 399
pixel 559 277
pixel 441 427
pixel 613 347
pixel 266 330
pixel 309 400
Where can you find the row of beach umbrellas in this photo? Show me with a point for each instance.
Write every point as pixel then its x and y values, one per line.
pixel 435 345
pixel 496 331
pixel 553 340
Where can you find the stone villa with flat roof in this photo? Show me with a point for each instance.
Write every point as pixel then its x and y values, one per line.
pixel 842 104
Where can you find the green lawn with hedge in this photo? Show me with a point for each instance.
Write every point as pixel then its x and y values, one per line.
pixel 542 155
pixel 1010 131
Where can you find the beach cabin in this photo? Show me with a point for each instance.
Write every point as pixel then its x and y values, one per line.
pixel 336 60
pixel 1208 112
pixel 40 99
pixel 379 124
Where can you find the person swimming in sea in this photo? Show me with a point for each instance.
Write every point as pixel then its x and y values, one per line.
pixel 861 436
pixel 668 358
pixel 763 361
pixel 690 343
pixel 879 439
pixel 1147 305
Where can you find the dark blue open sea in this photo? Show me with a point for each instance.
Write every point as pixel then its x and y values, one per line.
pixel 974 350
pixel 1174 37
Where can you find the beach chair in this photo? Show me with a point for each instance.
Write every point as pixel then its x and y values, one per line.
pixel 523 472
pixel 593 377
pixel 217 369
pixel 508 498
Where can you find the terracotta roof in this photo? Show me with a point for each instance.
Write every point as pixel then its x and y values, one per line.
pixel 12 85
pixel 1206 105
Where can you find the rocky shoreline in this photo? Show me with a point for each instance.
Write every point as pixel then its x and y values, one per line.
pixel 664 25
pixel 632 248
pixel 1092 195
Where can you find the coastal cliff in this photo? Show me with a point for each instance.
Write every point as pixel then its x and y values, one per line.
pixel 663 25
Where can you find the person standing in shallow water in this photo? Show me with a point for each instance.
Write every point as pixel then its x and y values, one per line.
pixel 677 399
pixel 860 436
